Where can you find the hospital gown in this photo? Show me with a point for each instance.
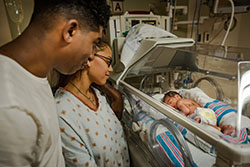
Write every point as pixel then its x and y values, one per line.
pixel 90 137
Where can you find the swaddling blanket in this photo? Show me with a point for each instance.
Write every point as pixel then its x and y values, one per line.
pixel 225 114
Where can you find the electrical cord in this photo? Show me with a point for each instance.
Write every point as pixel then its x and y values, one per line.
pixel 230 24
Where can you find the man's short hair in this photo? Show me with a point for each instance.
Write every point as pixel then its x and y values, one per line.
pixel 91 14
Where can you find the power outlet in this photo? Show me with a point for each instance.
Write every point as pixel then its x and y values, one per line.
pixel 158 78
pixel 199 38
pixel 206 37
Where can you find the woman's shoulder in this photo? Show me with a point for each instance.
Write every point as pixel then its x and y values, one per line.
pixel 60 93
pixel 63 98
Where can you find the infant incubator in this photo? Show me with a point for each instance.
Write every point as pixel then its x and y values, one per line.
pixel 157 134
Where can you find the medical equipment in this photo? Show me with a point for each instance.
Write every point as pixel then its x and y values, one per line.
pixel 157 66
pixel 15 12
pixel 119 25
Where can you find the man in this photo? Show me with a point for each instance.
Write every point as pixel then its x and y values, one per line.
pixel 60 36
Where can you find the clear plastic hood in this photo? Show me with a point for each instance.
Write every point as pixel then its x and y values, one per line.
pixel 209 75
pixel 202 58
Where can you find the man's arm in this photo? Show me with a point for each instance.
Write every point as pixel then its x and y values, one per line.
pixel 18 137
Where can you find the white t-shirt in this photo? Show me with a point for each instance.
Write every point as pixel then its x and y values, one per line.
pixel 29 131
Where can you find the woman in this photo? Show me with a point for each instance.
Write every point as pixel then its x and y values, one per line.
pixel 91 133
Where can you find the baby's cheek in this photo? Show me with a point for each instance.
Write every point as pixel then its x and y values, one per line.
pixel 228 129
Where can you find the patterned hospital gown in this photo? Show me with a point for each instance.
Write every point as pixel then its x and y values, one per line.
pixel 90 137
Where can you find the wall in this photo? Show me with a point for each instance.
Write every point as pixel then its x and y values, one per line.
pixel 9 28
pixel 27 10
pixel 5 34
pixel 214 26
pixel 244 33
pixel 157 6
pixel 238 37
pixel 132 5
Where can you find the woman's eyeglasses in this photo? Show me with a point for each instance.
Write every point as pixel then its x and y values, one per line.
pixel 107 60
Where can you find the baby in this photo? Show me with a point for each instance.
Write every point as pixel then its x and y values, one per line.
pixel 195 111
pixel 186 106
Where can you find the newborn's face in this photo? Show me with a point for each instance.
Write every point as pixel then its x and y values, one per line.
pixel 172 101
pixel 227 129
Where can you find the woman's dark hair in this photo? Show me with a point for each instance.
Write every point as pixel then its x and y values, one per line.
pixel 170 94
pixel 91 14
pixel 63 80
pixel 101 44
